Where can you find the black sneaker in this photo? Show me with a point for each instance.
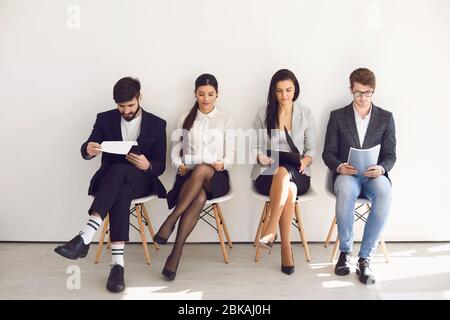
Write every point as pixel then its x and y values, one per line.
pixel 342 267
pixel 116 281
pixel 364 272
pixel 73 249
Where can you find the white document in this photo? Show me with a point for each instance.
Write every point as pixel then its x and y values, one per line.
pixel 118 147
pixel 361 159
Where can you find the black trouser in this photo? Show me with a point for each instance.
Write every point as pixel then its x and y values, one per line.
pixel 122 183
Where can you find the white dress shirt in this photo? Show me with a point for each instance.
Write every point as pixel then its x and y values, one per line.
pixel 362 124
pixel 209 140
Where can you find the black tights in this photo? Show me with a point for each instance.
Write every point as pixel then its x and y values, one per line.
pixel 191 200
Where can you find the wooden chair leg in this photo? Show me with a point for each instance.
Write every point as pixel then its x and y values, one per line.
pixel 302 232
pixel 219 232
pixel 259 230
pixel 331 231
pixel 224 226
pixel 102 239
pixel 142 232
pixel 150 226
pixel 383 247
pixel 108 245
pixel 335 249
pixel 264 217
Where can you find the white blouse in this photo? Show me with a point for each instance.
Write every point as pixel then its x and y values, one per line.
pixel 279 141
pixel 209 140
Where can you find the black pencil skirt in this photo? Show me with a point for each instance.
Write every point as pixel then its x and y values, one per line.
pixel 220 186
pixel 302 181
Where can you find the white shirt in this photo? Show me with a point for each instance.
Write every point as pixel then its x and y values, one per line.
pixel 280 141
pixel 208 140
pixel 131 129
pixel 362 124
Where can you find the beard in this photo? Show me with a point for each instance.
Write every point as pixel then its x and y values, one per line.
pixel 130 117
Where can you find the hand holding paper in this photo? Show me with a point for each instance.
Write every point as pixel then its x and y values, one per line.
pixel 362 159
pixel 118 147
pixel 93 149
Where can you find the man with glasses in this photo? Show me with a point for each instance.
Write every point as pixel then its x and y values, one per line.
pixel 360 125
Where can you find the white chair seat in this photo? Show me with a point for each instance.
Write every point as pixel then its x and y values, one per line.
pixel 224 198
pixel 141 200
pixel 144 199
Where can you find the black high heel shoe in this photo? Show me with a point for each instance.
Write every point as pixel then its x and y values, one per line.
pixel 170 275
pixel 160 240
pixel 289 269
pixel 264 244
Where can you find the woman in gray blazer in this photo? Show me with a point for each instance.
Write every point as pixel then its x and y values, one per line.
pixel 288 127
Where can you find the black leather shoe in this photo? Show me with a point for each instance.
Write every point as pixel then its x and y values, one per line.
pixel 289 269
pixel 73 249
pixel 364 272
pixel 116 282
pixel 160 240
pixel 170 275
pixel 342 267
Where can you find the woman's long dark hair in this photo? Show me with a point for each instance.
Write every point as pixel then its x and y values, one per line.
pixel 203 80
pixel 272 121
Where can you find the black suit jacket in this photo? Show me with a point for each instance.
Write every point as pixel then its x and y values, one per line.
pixel 342 134
pixel 151 141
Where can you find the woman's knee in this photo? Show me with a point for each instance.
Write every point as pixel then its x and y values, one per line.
pixel 281 172
pixel 202 171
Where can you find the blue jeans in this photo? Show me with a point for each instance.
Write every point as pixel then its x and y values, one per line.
pixel 347 190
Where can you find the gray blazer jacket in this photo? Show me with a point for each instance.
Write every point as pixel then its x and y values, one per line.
pixel 342 134
pixel 303 133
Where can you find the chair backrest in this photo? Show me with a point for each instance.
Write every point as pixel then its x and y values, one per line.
pixel 329 188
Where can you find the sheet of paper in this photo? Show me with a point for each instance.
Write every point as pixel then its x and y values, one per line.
pixel 361 159
pixel 118 147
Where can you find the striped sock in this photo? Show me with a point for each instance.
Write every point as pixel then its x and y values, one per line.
pixel 117 254
pixel 89 230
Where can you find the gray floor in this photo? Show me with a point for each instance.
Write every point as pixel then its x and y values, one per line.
pixel 34 271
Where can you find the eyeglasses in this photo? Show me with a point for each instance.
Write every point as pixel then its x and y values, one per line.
pixel 360 93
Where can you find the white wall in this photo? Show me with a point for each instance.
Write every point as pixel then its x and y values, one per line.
pixel 55 75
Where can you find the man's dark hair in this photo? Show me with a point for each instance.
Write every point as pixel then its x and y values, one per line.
pixel 126 89
pixel 363 76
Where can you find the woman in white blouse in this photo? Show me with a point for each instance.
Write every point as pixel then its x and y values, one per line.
pixel 201 154
pixel 287 127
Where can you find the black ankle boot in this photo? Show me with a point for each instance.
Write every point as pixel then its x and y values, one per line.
pixel 342 267
pixel 364 272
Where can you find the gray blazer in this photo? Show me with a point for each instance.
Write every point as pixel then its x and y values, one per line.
pixel 342 134
pixel 303 134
